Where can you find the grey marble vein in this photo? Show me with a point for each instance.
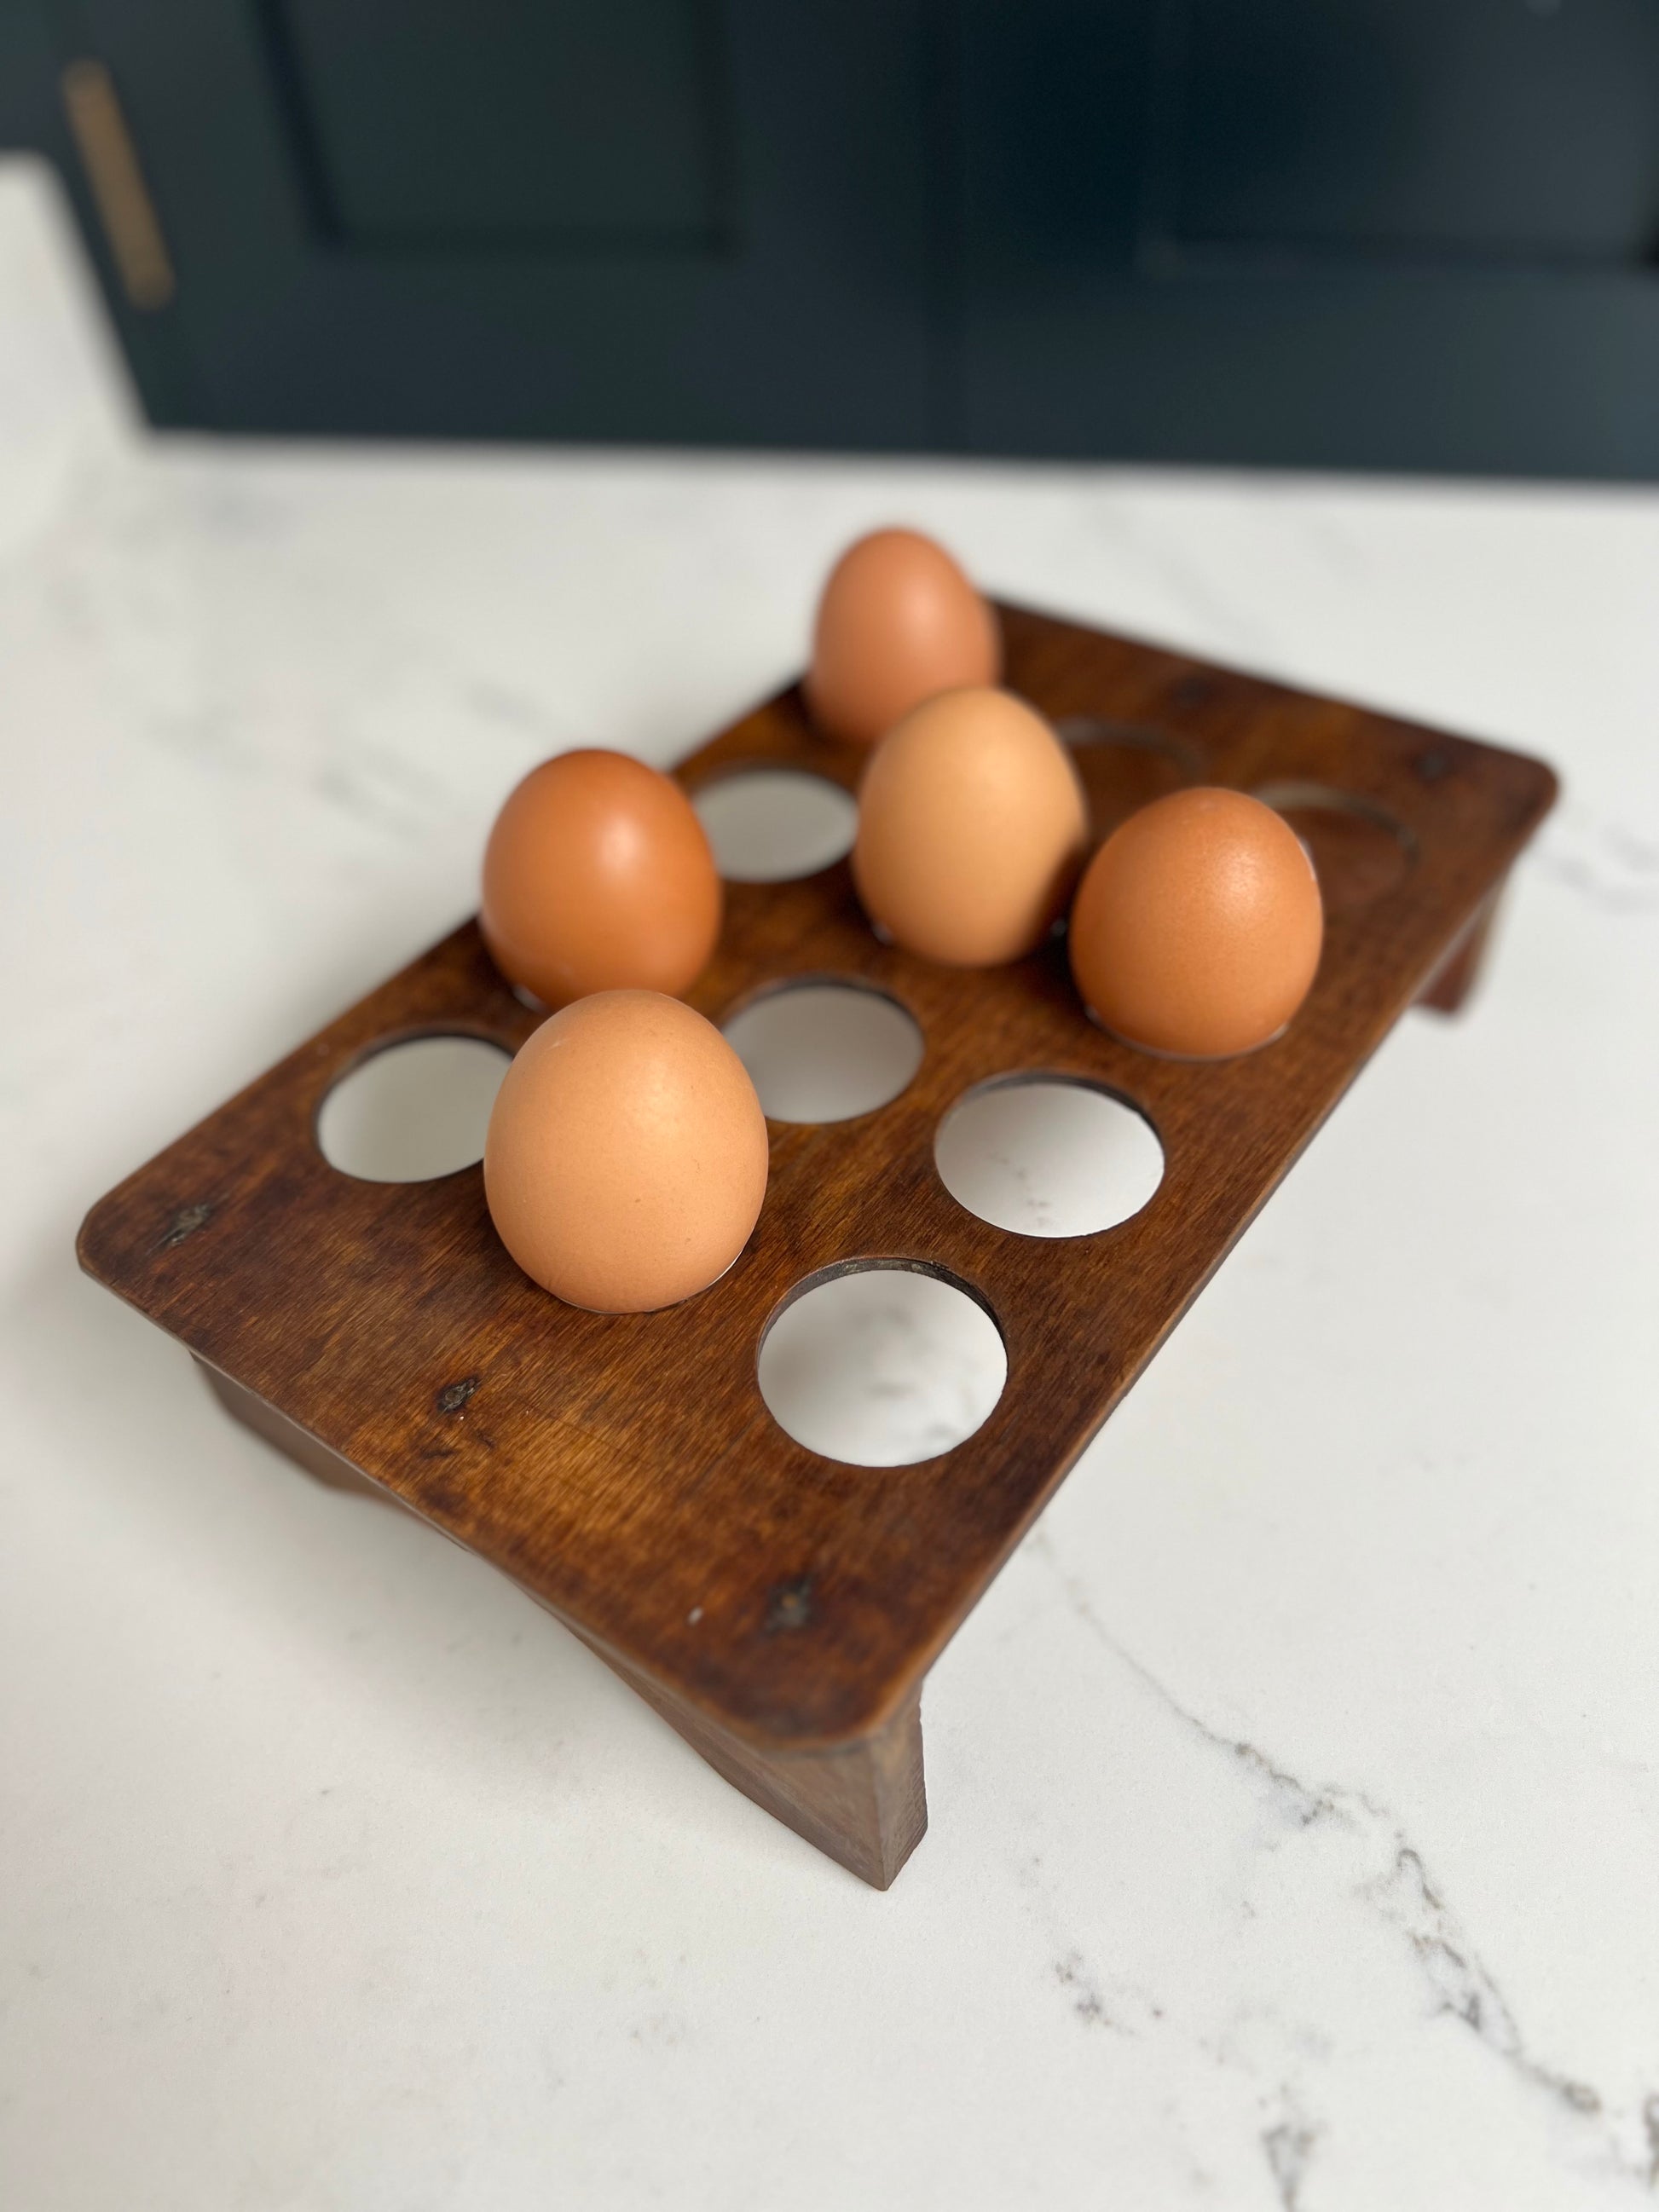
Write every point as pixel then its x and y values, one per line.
pixel 1457 1981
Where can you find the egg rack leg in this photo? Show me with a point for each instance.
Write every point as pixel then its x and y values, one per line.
pixel 288 1437
pixel 863 1803
pixel 1452 981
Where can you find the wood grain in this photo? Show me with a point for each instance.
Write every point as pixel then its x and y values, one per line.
pixel 625 1469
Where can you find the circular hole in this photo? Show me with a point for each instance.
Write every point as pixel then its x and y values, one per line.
pixel 413 1110
pixel 882 1364
pixel 768 825
pixel 1046 1157
pixel 1359 852
pixel 1125 766
pixel 822 1051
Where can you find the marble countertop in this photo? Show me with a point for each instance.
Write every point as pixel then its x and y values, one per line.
pixel 1295 1790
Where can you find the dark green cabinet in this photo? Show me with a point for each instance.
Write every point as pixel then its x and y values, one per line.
pixel 602 219
pixel 1389 233
pixel 1409 233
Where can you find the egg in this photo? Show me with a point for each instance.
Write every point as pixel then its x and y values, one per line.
pixel 971 827
pixel 598 876
pixel 626 1156
pixel 897 622
pixel 1198 925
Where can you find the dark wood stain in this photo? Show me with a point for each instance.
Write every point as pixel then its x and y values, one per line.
pixel 779 1607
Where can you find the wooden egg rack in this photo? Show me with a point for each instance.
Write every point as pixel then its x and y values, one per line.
pixel 781 1609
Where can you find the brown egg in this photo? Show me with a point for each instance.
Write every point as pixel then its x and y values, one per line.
pixel 1197 926
pixel 626 1157
pixel 898 621
pixel 971 828
pixel 598 876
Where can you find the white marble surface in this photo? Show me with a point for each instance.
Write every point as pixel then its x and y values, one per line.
pixel 1295 1790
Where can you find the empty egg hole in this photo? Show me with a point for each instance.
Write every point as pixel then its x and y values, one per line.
pixel 1048 1156
pixel 771 825
pixel 413 1110
pixel 882 1363
pixel 824 1050
pixel 1125 766
pixel 1359 852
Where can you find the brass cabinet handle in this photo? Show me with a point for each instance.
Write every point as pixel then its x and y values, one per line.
pixel 111 161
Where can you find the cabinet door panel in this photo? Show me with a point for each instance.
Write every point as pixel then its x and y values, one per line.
pixel 703 220
pixel 438 128
pixel 1388 234
pixel 1524 129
